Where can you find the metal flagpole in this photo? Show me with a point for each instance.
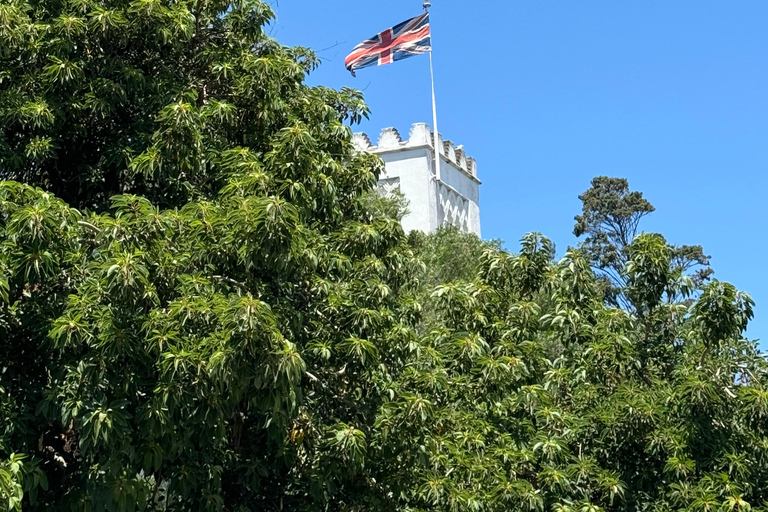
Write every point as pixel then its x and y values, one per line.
pixel 427 5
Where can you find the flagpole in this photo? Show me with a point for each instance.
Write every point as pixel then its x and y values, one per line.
pixel 427 5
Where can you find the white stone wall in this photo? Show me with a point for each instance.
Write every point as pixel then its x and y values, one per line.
pixel 451 197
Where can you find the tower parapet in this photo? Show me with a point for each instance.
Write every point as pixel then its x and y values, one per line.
pixel 447 193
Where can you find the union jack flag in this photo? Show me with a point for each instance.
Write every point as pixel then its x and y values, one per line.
pixel 409 38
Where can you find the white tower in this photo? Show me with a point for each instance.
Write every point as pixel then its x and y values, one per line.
pixel 444 194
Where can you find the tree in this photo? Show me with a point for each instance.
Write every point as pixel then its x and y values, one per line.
pixel 610 220
pixel 450 254
pixel 147 97
pixel 202 300
pixel 204 305
pixel 484 419
pixel 446 256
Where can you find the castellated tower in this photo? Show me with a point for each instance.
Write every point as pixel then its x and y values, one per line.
pixel 447 193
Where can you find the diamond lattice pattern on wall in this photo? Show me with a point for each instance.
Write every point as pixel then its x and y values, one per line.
pixel 454 209
pixel 389 186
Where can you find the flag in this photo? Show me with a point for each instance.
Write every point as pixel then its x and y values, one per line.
pixel 409 38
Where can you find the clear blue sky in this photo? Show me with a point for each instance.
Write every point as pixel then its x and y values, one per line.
pixel 545 95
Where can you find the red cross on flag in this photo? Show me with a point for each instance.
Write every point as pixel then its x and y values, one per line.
pixel 409 38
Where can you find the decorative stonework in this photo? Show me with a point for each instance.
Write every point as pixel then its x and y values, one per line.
pixel 420 135
pixel 390 139
pixel 389 186
pixel 453 208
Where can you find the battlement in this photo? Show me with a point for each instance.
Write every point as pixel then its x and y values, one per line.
pixel 420 136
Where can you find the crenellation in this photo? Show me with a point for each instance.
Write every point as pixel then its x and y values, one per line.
pixel 439 147
pixel 449 151
pixel 389 139
pixel 421 135
pixel 461 158
pixel 472 166
pixel 362 142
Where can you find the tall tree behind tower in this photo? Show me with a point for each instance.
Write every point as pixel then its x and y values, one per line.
pixel 610 221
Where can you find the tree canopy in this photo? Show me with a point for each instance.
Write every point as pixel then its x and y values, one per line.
pixel 205 305
pixel 610 220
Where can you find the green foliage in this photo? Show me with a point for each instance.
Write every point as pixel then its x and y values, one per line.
pixel 610 220
pixel 647 271
pixel 649 410
pixel 450 254
pixel 446 256
pixel 213 327
pixel 204 305
pixel 17 477
pixel 151 97
pixel 11 489
pixel 163 354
